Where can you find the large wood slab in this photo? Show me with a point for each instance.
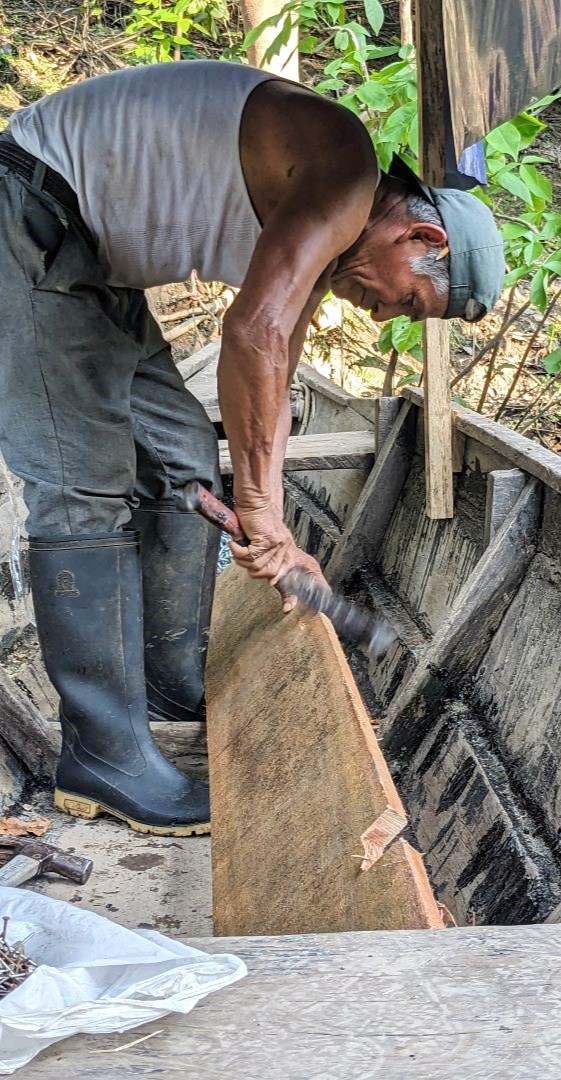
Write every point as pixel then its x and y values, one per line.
pixel 474 1003
pixel 297 778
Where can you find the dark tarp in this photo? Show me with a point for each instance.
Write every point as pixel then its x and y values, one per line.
pixel 501 55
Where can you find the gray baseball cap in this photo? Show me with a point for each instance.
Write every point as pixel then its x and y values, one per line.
pixel 477 262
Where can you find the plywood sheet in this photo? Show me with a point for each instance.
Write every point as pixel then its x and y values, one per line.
pixel 296 778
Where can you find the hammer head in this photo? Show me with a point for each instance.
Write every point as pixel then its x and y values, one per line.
pixel 50 859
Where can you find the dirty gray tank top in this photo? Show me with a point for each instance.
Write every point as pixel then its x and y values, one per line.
pixel 153 155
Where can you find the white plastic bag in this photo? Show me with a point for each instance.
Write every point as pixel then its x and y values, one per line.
pixel 94 976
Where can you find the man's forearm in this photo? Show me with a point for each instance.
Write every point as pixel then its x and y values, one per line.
pixel 252 389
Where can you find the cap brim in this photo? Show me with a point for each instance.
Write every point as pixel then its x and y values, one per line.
pixel 401 171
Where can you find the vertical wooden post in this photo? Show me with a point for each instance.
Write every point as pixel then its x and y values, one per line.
pixel 431 70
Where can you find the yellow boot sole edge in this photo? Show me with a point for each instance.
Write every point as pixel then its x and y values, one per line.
pixel 80 806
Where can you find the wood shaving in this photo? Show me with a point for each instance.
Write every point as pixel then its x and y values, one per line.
pixel 377 838
pixel 12 826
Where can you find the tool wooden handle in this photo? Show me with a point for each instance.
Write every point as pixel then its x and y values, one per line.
pixel 201 501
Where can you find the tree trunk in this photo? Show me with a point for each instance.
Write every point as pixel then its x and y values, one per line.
pixel 285 63
pixel 406 22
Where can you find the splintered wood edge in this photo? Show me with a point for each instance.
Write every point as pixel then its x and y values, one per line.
pixel 379 836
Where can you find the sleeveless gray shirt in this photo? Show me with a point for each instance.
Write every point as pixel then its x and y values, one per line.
pixel 153 156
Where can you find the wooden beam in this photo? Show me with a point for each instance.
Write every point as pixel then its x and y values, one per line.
pixel 371 514
pixel 300 790
pixel 432 84
pixel 333 450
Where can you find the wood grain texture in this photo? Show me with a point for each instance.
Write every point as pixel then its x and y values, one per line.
pixel 25 731
pixel 486 855
pixel 469 1003
pixel 464 636
pixel 333 450
pixel 296 778
pixel 371 514
pixel 432 88
pixel 503 489
pixel 438 423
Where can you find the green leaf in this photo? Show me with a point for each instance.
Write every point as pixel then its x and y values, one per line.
pixel 308 45
pixel 515 276
pixel 385 343
pixel 341 40
pixel 280 41
pixel 537 183
pixel 374 13
pixel 538 289
pixel 511 182
pixel 335 11
pixel 405 334
pixel 374 96
pixel 384 152
pixel 514 231
pixel 532 251
pixel 406 380
pixel 553 263
pixel 551 229
pixel 256 31
pixel 505 139
pixel 552 362
pixel 528 127
pixel 329 84
pixel 376 52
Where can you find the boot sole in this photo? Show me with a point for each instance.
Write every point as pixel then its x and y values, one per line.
pixel 79 806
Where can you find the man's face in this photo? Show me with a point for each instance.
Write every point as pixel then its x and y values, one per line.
pixel 376 272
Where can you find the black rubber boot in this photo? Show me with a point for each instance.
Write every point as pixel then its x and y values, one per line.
pixel 87 593
pixel 179 556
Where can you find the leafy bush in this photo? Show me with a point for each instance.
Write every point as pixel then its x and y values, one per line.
pixel 379 83
pixel 165 31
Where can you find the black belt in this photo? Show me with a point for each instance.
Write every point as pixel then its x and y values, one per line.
pixel 36 173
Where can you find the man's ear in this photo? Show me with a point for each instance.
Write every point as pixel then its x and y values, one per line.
pixel 431 235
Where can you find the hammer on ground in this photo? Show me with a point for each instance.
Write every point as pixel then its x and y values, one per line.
pixel 32 858
pixel 353 622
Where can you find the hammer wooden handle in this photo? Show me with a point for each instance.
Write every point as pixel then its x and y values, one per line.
pixel 201 501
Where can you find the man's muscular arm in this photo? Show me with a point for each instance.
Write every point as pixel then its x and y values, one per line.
pixel 320 217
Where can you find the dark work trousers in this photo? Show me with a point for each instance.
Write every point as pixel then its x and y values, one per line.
pixel 94 415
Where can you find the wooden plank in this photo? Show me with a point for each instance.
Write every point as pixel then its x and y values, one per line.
pixel 503 490
pixel 371 514
pixel 333 450
pixel 432 88
pixel 464 636
pixel 438 424
pixel 475 1002
pixel 514 448
pixel 25 731
pixel 296 779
